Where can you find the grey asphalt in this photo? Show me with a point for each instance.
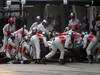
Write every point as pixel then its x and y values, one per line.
pixel 50 69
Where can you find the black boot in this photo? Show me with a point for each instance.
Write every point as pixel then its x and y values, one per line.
pixel 61 61
pixel 44 60
pixel 16 62
pixel 37 61
pixel 90 59
pixel 26 62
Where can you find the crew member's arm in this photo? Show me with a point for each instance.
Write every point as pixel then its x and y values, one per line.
pixel 5 29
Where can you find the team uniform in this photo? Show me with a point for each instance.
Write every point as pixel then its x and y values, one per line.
pixel 35 42
pixel 19 42
pixel 10 48
pixel 58 43
pixel 7 30
pixel 74 24
pixel 93 43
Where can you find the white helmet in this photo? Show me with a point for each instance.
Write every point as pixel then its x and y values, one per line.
pixel 38 17
pixel 71 14
pixel 70 32
pixel 43 33
pixel 45 21
pixel 84 33
pixel 66 28
pixel 25 26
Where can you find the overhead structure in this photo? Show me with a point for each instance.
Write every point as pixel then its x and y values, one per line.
pixel 76 2
pixel 65 2
pixel 69 2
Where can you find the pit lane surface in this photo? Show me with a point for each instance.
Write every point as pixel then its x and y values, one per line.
pixel 50 69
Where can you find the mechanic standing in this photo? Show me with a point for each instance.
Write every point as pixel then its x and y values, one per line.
pixel 8 29
pixel 74 23
pixel 90 49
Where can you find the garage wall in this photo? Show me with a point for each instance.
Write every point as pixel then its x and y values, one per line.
pixel 58 13
pixel 81 12
pixel 53 11
pixel 32 12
